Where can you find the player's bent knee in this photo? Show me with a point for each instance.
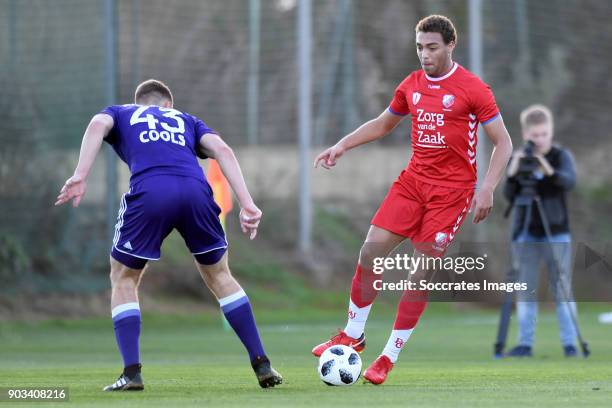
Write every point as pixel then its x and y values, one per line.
pixel 127 260
pixel 369 251
pixel 217 276
pixel 214 271
pixel 212 257
pixel 122 276
pixel 379 242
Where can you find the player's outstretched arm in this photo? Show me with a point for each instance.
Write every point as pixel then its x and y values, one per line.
pixel 369 131
pixel 502 150
pixel 75 186
pixel 214 147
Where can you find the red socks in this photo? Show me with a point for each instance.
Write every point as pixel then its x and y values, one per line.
pixel 410 307
pixel 362 288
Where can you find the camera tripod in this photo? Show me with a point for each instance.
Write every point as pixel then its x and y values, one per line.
pixel 526 199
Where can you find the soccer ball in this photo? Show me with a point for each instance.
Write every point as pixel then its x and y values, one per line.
pixel 339 365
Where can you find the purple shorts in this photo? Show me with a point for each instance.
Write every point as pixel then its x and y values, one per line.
pixel 154 206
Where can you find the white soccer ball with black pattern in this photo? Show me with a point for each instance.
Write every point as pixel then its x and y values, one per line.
pixel 339 365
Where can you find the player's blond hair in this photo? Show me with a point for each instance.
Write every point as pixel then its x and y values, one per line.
pixel 152 91
pixel 536 115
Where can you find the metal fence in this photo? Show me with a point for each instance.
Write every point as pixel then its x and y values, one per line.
pixel 233 63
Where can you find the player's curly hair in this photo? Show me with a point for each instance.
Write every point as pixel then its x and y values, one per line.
pixel 152 90
pixel 438 24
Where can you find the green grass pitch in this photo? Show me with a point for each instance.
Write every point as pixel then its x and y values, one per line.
pixel 194 362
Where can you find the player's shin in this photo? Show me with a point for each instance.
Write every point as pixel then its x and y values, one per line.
pixel 409 310
pixel 396 342
pixel 363 294
pixel 237 310
pixel 126 320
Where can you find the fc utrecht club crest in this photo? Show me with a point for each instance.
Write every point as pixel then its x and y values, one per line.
pixel 441 238
pixel 448 100
pixel 416 97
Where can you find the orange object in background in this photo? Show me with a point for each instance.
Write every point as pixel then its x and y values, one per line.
pixel 221 189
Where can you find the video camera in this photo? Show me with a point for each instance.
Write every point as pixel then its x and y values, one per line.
pixel 527 165
pixel 525 176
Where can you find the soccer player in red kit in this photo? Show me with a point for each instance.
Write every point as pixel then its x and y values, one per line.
pixel 431 197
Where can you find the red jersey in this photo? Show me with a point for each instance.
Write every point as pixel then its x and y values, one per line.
pixel 445 114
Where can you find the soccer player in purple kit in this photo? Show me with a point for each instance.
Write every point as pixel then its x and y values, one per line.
pixel 168 190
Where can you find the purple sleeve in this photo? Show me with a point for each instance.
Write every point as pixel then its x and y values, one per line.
pixel 112 111
pixel 200 130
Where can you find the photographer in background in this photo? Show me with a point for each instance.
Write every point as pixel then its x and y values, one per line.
pixel 546 171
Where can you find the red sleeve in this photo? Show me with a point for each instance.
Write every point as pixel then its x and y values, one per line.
pixel 399 104
pixel 483 104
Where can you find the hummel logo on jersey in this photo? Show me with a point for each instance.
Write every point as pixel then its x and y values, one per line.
pixel 128 245
pixel 416 97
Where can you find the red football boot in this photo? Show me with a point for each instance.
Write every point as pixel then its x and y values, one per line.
pixel 377 372
pixel 340 339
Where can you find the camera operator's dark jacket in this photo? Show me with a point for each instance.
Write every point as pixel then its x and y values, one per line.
pixel 552 191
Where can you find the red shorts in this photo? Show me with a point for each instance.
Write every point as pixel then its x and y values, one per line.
pixel 428 214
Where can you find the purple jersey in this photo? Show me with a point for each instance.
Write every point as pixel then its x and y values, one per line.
pixel 156 141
